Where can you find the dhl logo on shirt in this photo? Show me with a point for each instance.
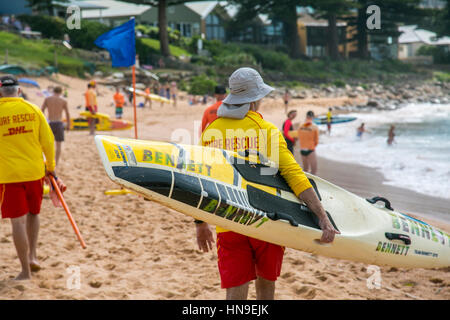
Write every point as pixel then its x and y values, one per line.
pixel 16 119
pixel 16 130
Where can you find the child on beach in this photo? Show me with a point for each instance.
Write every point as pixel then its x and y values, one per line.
pixel 119 101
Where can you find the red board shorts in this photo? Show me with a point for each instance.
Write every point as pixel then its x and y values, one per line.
pixel 18 199
pixel 241 259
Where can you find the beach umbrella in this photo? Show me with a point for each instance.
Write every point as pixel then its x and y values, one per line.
pixel 28 83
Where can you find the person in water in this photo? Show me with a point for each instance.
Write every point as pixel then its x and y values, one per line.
pixel 361 129
pixel 391 135
pixel 329 117
pixel 308 136
pixel 287 126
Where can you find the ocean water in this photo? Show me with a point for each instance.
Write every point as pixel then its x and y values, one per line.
pixel 418 160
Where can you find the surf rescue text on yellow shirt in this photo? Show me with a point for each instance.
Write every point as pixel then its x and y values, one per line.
pixel 24 135
pixel 254 133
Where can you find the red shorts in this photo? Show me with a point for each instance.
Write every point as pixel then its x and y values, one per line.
pixel 241 259
pixel 18 199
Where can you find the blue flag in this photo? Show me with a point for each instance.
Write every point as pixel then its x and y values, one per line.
pixel 121 44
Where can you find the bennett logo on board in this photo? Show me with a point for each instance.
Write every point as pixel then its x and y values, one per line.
pixel 420 229
pixel 388 247
pixel 170 160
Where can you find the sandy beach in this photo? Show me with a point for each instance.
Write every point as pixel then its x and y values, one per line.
pixel 138 249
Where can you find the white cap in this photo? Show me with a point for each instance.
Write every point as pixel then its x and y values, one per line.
pixel 246 85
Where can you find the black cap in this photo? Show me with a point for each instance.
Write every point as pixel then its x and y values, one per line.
pixel 8 81
pixel 220 90
pixel 310 114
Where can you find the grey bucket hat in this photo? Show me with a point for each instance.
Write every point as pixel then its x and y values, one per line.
pixel 246 85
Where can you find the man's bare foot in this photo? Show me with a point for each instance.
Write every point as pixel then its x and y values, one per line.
pixel 34 266
pixel 23 276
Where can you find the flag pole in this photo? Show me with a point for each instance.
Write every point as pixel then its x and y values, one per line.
pixel 134 100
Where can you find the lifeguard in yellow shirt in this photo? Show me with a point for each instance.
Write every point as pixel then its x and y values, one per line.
pixel 238 127
pixel 24 136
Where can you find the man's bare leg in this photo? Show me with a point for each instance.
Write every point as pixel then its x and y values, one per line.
pixel 313 162
pixel 238 293
pixel 19 232
pixel 91 126
pixel 305 164
pixel 33 232
pixel 265 289
pixel 57 151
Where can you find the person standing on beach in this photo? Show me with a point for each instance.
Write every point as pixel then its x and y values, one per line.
pixel 210 113
pixel 242 259
pixel 287 126
pixel 24 135
pixel 55 105
pixel 119 101
pixel 286 98
pixel 174 92
pixel 147 98
pixel 91 106
pixel 308 136
pixel 329 117
pixel 391 135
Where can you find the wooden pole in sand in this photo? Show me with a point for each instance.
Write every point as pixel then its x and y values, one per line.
pixel 134 101
pixel 69 215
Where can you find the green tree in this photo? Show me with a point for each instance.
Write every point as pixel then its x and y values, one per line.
pixel 162 20
pixel 393 13
pixel 281 10
pixel 332 10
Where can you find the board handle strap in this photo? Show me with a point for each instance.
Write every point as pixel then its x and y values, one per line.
pixel 397 236
pixel 282 216
pixel 387 204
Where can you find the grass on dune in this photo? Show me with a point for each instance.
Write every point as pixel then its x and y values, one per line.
pixel 174 50
pixel 39 53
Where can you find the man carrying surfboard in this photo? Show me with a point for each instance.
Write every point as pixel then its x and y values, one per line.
pixel 24 135
pixel 242 259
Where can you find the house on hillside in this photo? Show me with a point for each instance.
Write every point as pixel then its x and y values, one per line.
pixel 109 12
pixel 212 19
pixel 116 12
pixel 60 7
pixel 412 39
pixel 314 36
pixel 198 18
